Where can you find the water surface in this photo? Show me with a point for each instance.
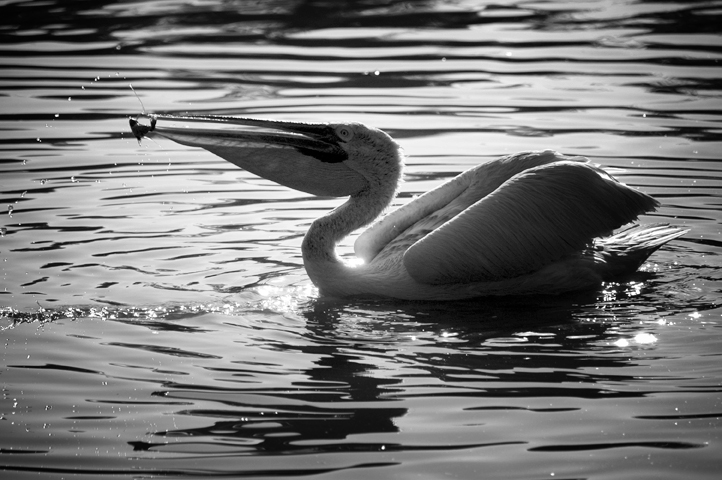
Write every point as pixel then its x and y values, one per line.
pixel 158 322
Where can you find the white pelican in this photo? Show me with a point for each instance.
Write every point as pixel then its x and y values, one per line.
pixel 529 223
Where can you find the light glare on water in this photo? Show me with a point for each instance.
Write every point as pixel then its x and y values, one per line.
pixel 156 317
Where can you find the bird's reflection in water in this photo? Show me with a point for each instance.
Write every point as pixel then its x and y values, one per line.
pixel 372 358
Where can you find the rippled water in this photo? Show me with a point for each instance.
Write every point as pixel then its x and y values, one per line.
pixel 157 320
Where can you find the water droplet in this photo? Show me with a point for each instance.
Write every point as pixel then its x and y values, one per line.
pixel 43 181
pixel 72 179
pixel 38 140
pixel 82 87
pixel 57 115
pixel 70 98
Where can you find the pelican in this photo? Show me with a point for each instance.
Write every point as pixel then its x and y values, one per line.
pixel 535 222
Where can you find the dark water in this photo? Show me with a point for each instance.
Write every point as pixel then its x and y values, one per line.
pixel 158 322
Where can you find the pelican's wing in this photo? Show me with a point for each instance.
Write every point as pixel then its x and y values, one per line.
pixel 448 200
pixel 533 219
pixel 387 229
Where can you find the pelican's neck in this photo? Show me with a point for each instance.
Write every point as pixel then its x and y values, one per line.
pixel 324 267
pixel 319 244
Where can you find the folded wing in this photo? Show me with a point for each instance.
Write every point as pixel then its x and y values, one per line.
pixel 416 218
pixel 531 220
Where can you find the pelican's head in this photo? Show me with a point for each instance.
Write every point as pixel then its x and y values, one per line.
pixel 328 159
pixel 371 152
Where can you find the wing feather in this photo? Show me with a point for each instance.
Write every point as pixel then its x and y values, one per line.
pixel 533 219
pixel 388 228
pixel 448 200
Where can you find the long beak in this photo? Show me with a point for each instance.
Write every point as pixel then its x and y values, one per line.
pixel 302 156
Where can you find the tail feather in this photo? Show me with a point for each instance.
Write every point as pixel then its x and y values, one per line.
pixel 625 251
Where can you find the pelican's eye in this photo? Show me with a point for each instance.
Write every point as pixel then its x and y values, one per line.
pixel 344 133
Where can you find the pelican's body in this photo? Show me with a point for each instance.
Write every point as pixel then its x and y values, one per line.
pixel 530 223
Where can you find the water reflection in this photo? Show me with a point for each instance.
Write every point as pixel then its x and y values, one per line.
pixel 348 379
pixel 368 375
